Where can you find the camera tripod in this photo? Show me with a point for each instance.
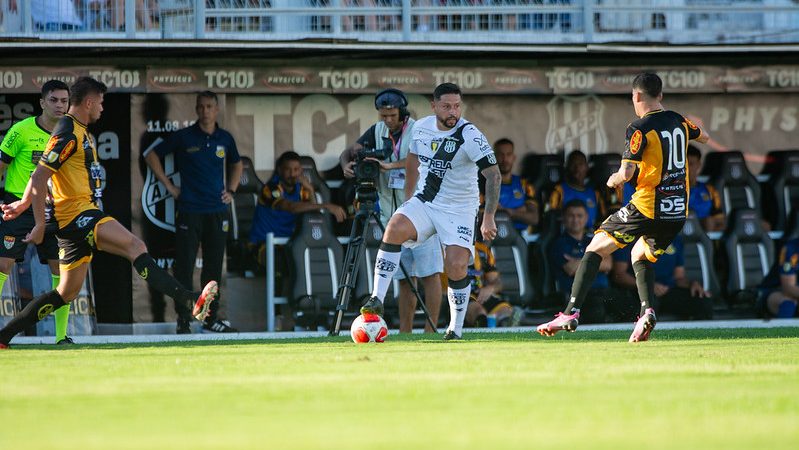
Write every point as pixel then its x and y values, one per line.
pixel 349 274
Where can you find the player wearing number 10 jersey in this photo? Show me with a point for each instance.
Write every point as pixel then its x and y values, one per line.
pixel 656 145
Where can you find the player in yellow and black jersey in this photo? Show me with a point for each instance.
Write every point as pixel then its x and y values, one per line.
pixel 70 159
pixel 657 146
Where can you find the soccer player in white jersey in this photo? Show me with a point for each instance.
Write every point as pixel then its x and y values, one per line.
pixel 445 155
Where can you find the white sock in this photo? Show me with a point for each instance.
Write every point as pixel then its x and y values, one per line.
pixel 386 266
pixel 458 302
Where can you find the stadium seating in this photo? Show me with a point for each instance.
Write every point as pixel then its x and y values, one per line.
pixel 242 211
pixel 749 253
pixel 320 187
pixel 698 256
pixel 602 166
pixel 543 171
pixel 782 189
pixel 510 257
pixel 316 260
pixel 551 225
pixel 733 181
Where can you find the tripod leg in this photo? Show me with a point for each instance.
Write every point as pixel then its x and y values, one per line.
pixel 349 273
pixel 408 278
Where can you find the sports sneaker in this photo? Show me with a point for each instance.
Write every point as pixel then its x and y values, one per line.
pixel 644 326
pixel 66 341
pixel 562 322
pixel 203 305
pixel 184 326
pixel 220 326
pixel 373 306
pixel 451 336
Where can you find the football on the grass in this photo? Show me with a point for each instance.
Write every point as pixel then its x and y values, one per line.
pixel 368 328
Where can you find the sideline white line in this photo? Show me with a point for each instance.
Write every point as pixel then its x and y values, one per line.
pixel 158 338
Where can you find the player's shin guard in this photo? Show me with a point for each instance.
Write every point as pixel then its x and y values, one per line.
pixel 645 281
pixel 458 296
pixel 583 279
pixel 36 310
pixel 161 281
pixel 61 315
pixel 386 265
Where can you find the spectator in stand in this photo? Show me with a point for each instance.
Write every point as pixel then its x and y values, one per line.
pixel 486 297
pixel 704 200
pixel 781 287
pixel 516 195
pixel 674 292
pixel 287 194
pixel 53 15
pixel 576 186
pixel 564 255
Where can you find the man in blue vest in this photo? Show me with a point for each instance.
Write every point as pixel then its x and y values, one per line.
pixel 576 187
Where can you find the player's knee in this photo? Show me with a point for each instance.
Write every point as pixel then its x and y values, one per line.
pixel 68 292
pixel 455 267
pixel 6 265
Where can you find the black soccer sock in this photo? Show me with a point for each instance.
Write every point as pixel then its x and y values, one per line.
pixel 36 310
pixel 583 279
pixel 163 282
pixel 645 281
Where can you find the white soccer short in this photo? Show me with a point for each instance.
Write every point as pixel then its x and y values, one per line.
pixel 452 228
pixel 423 260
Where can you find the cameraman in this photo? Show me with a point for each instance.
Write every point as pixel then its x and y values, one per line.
pixel 426 261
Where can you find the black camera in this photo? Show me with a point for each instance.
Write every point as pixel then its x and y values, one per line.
pixel 367 171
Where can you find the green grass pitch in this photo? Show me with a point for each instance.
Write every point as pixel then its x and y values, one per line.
pixel 686 389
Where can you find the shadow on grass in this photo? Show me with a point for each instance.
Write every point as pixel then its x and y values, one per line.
pixel 610 335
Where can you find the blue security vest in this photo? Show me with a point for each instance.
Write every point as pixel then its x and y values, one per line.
pixel 268 219
pixel 588 196
pixel 513 195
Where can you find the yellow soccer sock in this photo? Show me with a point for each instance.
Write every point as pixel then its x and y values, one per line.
pixel 61 315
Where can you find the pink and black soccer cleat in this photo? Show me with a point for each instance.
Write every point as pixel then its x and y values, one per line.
pixel 562 322
pixel 202 306
pixel 644 326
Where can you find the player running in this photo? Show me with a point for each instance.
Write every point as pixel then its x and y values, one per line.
pixel 446 153
pixel 70 159
pixel 20 151
pixel 656 145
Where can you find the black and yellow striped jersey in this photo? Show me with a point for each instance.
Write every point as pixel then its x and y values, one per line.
pixel 72 154
pixel 657 143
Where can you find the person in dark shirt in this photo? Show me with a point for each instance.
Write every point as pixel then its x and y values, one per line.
pixel 674 292
pixel 703 199
pixel 209 166
pixel 516 195
pixel 781 285
pixel 564 256
pixel 287 194
pixel 576 186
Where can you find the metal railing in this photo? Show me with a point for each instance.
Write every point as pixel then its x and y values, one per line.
pixel 439 21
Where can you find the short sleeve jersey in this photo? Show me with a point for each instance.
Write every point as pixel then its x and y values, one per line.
pixel 77 182
pixel 21 149
pixel 704 201
pixel 657 143
pixel 564 193
pixel 200 159
pixel 448 164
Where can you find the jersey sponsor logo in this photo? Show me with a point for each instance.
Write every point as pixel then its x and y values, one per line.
pixel 439 167
pixel 10 138
pixel 635 142
pixel 66 152
pixel 623 237
pixel 491 158
pixel 672 206
pixel 45 311
pixel 82 221
pixel 8 242
pixel 576 122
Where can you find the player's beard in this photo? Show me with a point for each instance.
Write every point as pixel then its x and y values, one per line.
pixel 449 122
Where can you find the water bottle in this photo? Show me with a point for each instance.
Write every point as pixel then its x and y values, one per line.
pixel 491 321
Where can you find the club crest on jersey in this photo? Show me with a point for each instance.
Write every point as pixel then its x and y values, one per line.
pixel 8 242
pixel 635 142
pixel 690 124
pixel 66 152
pixel 576 122
pixel 220 151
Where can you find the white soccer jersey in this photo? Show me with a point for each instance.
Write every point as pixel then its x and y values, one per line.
pixel 448 164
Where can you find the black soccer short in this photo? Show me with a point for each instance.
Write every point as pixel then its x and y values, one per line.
pixel 14 231
pixel 626 225
pixel 76 241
